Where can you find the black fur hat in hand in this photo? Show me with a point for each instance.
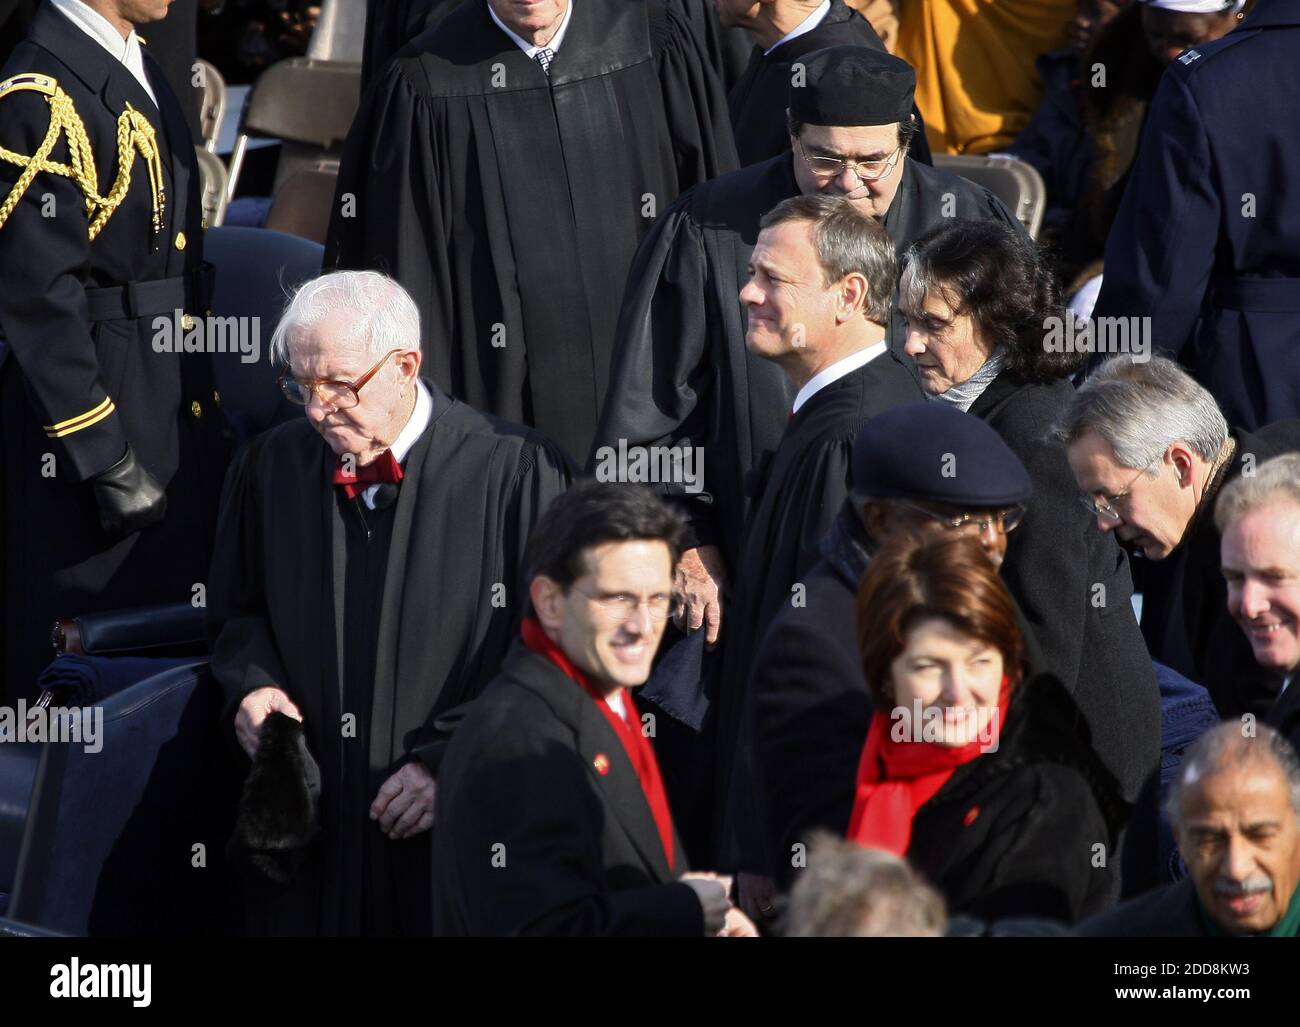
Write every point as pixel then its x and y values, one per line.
pixel 279 812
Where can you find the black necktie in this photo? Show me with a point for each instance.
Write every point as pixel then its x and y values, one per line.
pixel 544 56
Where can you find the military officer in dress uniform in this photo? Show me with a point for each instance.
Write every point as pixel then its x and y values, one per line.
pixel 1206 242
pixel 112 447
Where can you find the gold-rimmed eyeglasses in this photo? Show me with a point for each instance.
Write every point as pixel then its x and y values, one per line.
pixel 1005 521
pixel 339 394
pixel 866 170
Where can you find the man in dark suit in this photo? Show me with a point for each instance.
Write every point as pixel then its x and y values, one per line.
pixel 1234 811
pixel 1151 451
pixel 1206 242
pixel 113 445
pixel 1258 519
pixel 551 815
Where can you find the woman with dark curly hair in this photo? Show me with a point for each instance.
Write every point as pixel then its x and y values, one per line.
pixel 973 770
pixel 979 302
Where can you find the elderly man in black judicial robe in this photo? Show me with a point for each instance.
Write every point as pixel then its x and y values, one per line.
pixel 786 31
pixel 682 375
pixel 818 301
pixel 365 583
pixel 503 168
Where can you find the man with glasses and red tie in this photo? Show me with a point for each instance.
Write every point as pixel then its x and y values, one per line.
pixel 1151 452
pixel 365 583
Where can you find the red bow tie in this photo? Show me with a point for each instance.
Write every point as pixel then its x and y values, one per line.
pixel 383 470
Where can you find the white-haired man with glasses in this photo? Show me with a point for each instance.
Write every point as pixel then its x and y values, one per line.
pixel 1151 452
pixel 365 583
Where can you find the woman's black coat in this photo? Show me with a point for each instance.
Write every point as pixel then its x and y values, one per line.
pixel 1029 829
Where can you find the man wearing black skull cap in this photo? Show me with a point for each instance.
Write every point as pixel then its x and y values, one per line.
pixel 680 372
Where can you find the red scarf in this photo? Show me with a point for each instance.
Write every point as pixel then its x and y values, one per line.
pixel 384 469
pixel 627 728
pixel 895 779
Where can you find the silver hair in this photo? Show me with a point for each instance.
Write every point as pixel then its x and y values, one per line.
pixel 1273 480
pixel 848 891
pixel 846 242
pixel 386 318
pixel 1140 409
pixel 1227 746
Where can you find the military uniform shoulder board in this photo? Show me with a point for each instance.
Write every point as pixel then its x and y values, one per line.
pixel 28 81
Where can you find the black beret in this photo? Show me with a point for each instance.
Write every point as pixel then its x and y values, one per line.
pixel 933 451
pixel 851 85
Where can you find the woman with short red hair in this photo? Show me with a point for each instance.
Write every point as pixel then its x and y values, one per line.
pixel 979 773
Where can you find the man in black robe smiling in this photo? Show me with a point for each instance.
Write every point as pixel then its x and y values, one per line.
pixel 365 583
pixel 504 167
pixel 681 374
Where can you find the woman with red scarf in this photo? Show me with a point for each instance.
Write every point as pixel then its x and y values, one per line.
pixel 982 776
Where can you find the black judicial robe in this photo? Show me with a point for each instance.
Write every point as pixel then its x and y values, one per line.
pixel 510 204
pixel 444 607
pixel 800 488
pixel 681 374
pixel 758 101
pixel 78 384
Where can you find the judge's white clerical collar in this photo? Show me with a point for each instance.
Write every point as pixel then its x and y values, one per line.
pixel 553 44
pixel 125 51
pixel 837 370
pixel 807 25
pixel 415 424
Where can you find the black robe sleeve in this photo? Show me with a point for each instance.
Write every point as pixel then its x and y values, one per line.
pixel 245 656
pixel 661 376
pixel 544 472
pixel 694 101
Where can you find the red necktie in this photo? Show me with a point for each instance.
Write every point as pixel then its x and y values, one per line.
pixel 384 470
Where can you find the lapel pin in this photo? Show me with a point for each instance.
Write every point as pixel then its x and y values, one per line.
pixel 970 816
pixel 601 763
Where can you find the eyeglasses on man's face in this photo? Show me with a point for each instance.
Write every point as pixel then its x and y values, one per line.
pixel 833 167
pixel 1003 521
pixel 1106 507
pixel 339 394
pixel 623 605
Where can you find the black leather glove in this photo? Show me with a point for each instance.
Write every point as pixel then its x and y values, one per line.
pixel 129 498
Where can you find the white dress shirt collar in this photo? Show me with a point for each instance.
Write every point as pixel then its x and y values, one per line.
pixel 409 435
pixel 807 25
pixel 555 40
pixel 615 702
pixel 837 370
pixel 97 27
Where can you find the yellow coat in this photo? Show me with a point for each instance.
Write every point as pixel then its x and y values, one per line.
pixel 976 85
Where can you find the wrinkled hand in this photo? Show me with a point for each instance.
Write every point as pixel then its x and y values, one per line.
pixel 404 803
pixel 697 591
pixel 254 710
pixel 756 897
pixel 737 925
pixel 711 890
